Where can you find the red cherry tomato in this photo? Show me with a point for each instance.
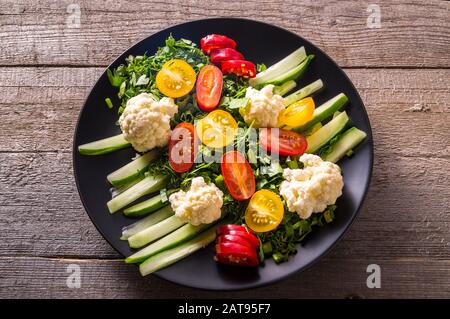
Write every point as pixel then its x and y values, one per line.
pixel 249 237
pixel 225 229
pixel 219 55
pixel 234 239
pixel 216 41
pixel 182 147
pixel 283 142
pixel 239 67
pixel 238 175
pixel 236 254
pixel 209 87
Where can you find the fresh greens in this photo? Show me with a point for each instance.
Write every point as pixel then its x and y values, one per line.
pixel 282 241
pixel 138 74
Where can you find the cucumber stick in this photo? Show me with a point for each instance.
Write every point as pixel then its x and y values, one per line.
pixel 303 92
pixel 132 170
pixel 146 207
pixel 155 232
pixel 119 190
pixel 348 141
pixel 148 185
pixel 279 68
pixel 171 240
pixel 171 256
pixel 324 111
pixel 323 135
pixel 104 146
pixel 146 222
pixel 285 87
pixel 292 74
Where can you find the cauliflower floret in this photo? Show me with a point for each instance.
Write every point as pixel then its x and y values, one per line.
pixel 201 204
pixel 313 188
pixel 263 107
pixel 145 123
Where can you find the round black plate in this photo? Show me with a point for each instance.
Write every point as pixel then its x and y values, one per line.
pixel 260 43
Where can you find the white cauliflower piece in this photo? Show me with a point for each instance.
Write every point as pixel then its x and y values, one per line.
pixel 145 123
pixel 201 204
pixel 263 107
pixel 313 188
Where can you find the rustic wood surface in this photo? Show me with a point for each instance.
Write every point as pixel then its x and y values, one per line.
pixel 401 70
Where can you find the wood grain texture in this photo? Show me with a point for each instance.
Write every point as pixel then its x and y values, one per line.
pixel 329 278
pixel 412 33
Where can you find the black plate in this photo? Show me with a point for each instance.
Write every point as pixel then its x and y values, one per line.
pixel 259 42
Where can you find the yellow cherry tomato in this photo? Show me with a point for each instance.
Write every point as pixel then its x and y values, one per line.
pixel 176 78
pixel 218 129
pixel 264 212
pixel 298 113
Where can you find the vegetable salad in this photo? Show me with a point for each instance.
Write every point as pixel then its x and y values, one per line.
pixel 229 150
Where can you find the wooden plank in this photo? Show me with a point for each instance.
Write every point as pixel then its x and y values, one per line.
pixel 330 278
pixel 406 213
pixel 46 101
pixel 413 33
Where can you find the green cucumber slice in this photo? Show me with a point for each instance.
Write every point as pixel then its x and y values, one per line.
pixel 308 90
pixel 294 73
pixel 326 133
pixel 132 170
pixel 324 111
pixel 285 87
pixel 148 185
pixel 104 146
pixel 155 232
pixel 173 239
pixel 173 255
pixel 279 68
pixel 146 222
pixel 348 141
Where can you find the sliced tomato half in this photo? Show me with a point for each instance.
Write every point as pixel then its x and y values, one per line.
pixel 283 142
pixel 236 254
pixel 238 175
pixel 182 147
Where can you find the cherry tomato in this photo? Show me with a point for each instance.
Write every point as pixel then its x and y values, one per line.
pixel 238 175
pixel 234 239
pixel 219 55
pixel 182 147
pixel 218 129
pixel 216 41
pixel 298 113
pixel 236 254
pixel 264 212
pixel 283 142
pixel 247 236
pixel 209 87
pixel 176 78
pixel 239 67
pixel 225 229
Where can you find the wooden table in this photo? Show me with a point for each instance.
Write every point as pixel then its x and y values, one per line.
pixel 48 63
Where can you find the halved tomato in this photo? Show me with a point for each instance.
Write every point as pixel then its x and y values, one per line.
pixel 182 147
pixel 225 229
pixel 176 78
pixel 209 87
pixel 217 129
pixel 238 175
pixel 236 254
pixel 216 41
pixel 264 212
pixel 283 142
pixel 219 55
pixel 239 67
pixel 298 113
pixel 247 236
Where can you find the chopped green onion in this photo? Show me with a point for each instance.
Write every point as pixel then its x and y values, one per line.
pixel 109 103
